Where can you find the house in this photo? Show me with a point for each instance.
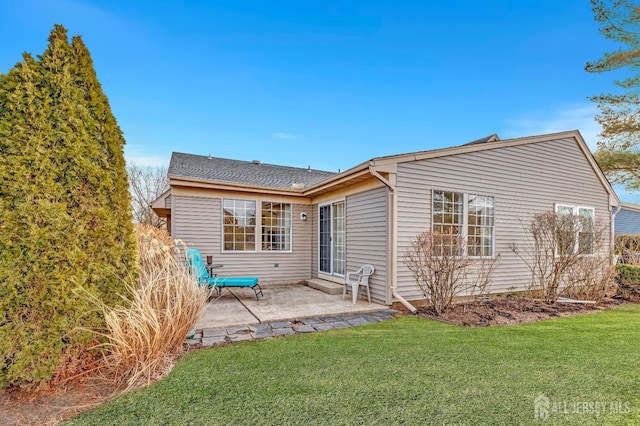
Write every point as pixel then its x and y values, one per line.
pixel 286 224
pixel 627 219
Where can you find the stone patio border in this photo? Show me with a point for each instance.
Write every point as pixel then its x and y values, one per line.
pixel 223 335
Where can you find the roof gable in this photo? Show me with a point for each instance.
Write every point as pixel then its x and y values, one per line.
pixel 487 143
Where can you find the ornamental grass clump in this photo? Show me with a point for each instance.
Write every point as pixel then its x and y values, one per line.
pixel 146 334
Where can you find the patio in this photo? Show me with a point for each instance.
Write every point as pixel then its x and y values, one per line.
pixel 281 302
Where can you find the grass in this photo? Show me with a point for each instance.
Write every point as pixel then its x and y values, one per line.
pixel 405 371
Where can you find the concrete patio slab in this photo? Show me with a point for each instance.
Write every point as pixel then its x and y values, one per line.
pixel 288 302
pixel 239 307
pixel 225 311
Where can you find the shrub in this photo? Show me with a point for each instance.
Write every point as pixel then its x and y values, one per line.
pixel 628 248
pixel 589 279
pixel 557 253
pixel 65 216
pixel 629 274
pixel 146 334
pixel 442 273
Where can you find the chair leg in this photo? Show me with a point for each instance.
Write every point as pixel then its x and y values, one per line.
pixel 354 290
pixel 258 291
pixel 368 295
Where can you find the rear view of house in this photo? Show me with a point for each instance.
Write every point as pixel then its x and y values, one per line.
pixel 287 224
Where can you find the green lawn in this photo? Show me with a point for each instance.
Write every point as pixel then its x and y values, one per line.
pixel 405 371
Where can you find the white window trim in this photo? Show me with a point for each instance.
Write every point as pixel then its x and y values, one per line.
pixel 576 212
pixel 258 227
pixel 255 234
pixel 259 246
pixel 465 222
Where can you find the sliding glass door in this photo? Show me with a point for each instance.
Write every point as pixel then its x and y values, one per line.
pixel 332 238
pixel 325 238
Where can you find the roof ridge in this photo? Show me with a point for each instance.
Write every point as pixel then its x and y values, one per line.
pixel 255 162
pixel 241 172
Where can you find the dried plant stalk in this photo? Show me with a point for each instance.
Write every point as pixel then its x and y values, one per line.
pixel 146 333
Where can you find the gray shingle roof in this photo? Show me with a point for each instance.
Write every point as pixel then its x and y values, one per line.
pixel 242 172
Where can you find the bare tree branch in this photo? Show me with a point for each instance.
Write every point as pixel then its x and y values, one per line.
pixel 146 184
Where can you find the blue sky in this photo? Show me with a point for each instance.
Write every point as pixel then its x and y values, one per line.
pixel 326 84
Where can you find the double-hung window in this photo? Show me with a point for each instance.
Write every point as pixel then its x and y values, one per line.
pixel 575 229
pixel 448 222
pixel 479 225
pixel 239 225
pixel 276 226
pixel 464 223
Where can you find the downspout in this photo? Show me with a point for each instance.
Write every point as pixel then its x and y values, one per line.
pixel 613 235
pixel 394 240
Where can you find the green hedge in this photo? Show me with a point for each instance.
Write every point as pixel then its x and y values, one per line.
pixel 629 274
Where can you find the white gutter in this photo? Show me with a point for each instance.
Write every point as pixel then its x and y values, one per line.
pixel 613 234
pixel 394 240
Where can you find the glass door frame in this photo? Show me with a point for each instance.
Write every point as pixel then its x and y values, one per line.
pixel 334 239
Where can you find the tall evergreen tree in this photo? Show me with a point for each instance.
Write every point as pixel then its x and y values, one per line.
pixel 64 208
pixel 104 184
pixel 618 150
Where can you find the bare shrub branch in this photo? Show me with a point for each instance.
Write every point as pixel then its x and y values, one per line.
pixel 589 279
pixel 481 276
pixel 628 249
pixel 442 272
pixel 556 248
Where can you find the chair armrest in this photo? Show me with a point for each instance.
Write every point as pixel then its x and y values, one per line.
pixel 211 268
pixel 353 273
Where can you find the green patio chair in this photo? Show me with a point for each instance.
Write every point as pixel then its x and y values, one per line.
pixel 199 270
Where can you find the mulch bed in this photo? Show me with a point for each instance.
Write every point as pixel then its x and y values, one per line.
pixel 511 310
pixel 627 291
pixel 51 405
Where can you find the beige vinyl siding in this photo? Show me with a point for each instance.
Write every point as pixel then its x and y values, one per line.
pixel 314 241
pixel 197 221
pixel 367 238
pixel 167 202
pixel 524 180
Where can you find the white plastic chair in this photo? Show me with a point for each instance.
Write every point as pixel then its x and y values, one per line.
pixel 357 279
